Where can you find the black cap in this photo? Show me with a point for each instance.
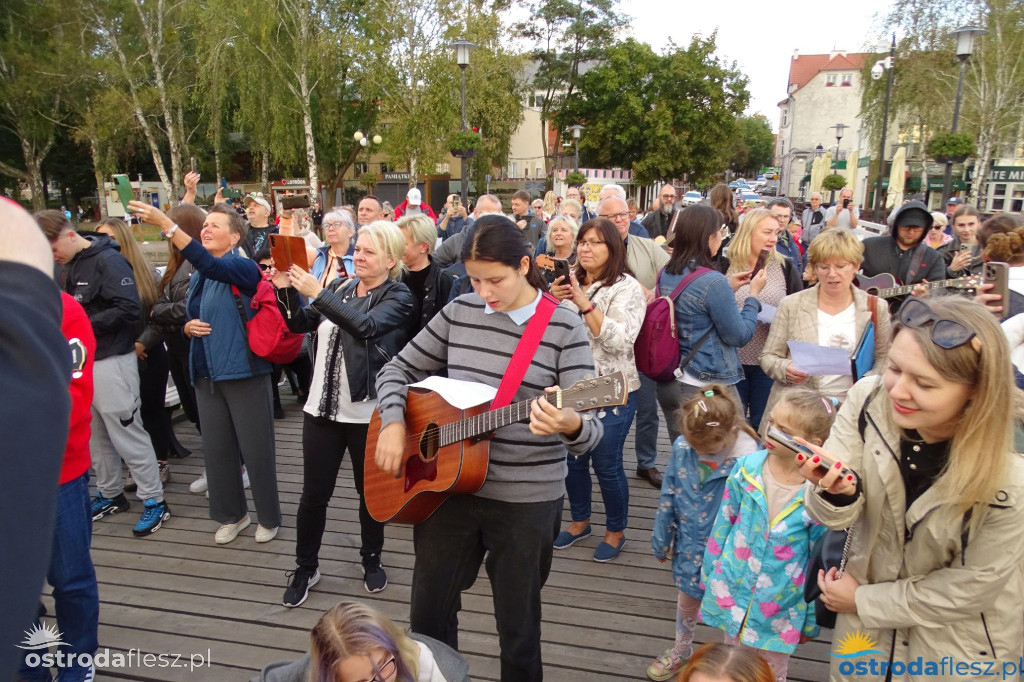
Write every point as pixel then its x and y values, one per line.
pixel 913 213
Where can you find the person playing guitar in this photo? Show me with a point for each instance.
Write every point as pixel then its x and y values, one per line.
pixel 514 517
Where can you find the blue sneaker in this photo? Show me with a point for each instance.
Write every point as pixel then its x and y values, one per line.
pixel 153 516
pixel 606 552
pixel 566 539
pixel 108 506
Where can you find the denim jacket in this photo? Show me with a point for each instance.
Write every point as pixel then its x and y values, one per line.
pixel 708 303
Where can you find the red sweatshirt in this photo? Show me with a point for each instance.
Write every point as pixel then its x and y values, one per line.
pixel 78 331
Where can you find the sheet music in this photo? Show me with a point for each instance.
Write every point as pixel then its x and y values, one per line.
pixel 457 393
pixel 819 360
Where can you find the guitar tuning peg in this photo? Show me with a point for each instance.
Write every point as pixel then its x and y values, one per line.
pixel 588 416
pixel 615 411
pixel 601 414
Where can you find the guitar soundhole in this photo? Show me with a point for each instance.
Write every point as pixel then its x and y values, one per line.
pixel 422 466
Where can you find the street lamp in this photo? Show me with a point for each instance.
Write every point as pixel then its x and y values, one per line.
pixel 876 73
pixel 964 49
pixel 576 138
pixel 462 48
pixel 839 128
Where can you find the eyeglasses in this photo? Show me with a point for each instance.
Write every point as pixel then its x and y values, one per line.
pixel 265 266
pixel 840 268
pixel 614 216
pixel 589 243
pixel 384 672
pixel 333 226
pixel 945 333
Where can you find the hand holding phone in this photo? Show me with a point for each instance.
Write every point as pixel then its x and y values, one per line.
pixel 561 267
pixel 847 202
pixel 762 259
pixel 998 275
pixel 124 190
pixel 824 465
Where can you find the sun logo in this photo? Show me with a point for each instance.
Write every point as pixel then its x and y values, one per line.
pixel 854 644
pixel 42 636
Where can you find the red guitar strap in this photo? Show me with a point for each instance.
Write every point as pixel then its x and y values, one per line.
pixel 527 348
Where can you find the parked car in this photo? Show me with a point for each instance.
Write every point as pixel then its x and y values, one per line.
pixel 691 198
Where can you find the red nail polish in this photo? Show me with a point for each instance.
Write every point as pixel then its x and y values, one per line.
pixel 800 457
pixel 838 465
pixel 816 459
pixel 849 478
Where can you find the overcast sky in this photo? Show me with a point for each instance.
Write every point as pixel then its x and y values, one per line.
pixel 760 36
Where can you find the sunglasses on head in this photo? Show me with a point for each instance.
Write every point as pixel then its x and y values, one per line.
pixel 945 333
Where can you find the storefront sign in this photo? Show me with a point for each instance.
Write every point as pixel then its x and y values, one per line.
pixel 404 177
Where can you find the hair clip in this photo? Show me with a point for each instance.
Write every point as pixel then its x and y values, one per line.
pixel 828 405
pixel 711 424
pixel 709 394
pixel 701 405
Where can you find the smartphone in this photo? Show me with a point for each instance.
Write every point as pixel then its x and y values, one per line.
pixel 192 164
pixel 124 190
pixel 288 251
pixel 561 269
pixel 295 201
pixel 787 441
pixel 965 247
pixel 762 259
pixel 229 193
pixel 456 202
pixel 342 271
pixel 846 203
pixel 998 274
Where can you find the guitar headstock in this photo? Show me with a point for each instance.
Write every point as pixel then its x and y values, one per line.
pixel 972 282
pixel 609 390
pixel 544 261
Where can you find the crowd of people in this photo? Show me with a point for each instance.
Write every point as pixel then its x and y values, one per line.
pixel 910 453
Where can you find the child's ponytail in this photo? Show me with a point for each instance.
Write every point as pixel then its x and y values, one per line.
pixel 707 417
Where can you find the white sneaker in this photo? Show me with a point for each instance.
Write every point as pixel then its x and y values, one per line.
pixel 245 478
pixel 230 531
pixel 199 485
pixel 266 534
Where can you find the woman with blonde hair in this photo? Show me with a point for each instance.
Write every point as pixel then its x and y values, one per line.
pixel 154 365
pixel 832 313
pixel 352 642
pixel 759 231
pixel 932 498
pixel 360 324
pixel 550 207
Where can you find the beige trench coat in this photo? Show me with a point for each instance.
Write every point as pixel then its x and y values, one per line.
pixel 797 320
pixel 930 588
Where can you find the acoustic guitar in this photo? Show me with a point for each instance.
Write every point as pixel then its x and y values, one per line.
pixel 447 448
pixel 886 286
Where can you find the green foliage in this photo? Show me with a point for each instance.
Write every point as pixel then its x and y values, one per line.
pixel 465 139
pixel 575 178
pixel 754 148
pixel 833 182
pixel 664 116
pixel 368 180
pixel 951 147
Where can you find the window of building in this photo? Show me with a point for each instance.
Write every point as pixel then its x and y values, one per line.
pixel 526 171
pixel 785 118
pixel 540 172
pixel 361 167
pixel 512 170
pixel 443 168
pixel 1018 199
pixel 847 80
pixel 830 80
pixel 387 168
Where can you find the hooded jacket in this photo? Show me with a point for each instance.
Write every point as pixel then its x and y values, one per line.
pixel 102 281
pixel 883 254
pixel 403 207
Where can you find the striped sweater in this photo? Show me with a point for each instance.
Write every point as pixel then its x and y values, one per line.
pixel 474 346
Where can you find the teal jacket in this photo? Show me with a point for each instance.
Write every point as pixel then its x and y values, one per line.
pixel 753 568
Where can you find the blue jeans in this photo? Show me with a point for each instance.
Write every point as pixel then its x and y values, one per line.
pixel 645 439
pixel 73 579
pixel 607 459
pixel 754 389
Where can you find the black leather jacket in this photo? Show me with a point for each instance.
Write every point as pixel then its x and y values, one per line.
pixel 374 328
pixel 168 314
pixel 437 288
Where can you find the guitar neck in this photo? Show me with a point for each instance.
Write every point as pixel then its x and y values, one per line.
pixel 908 288
pixel 485 422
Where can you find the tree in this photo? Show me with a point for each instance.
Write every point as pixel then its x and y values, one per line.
pixel 567 34
pixel 754 148
pixel 664 116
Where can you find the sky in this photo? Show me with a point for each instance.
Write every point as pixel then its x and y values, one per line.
pixel 761 36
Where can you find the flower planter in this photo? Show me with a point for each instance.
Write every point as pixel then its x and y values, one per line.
pixel 463 153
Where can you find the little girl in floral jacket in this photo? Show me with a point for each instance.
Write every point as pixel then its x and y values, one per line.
pixel 754 567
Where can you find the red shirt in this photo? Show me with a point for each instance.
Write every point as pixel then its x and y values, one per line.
pixel 82 345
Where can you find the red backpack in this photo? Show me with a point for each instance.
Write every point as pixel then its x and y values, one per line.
pixel 656 346
pixel 268 335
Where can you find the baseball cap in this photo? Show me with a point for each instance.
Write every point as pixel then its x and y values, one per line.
pixel 955 201
pixel 258 198
pixel 913 214
pixel 414 197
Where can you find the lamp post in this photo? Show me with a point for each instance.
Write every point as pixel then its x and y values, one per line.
pixel 576 138
pixel 364 141
pixel 964 49
pixel 876 73
pixel 839 128
pixel 462 48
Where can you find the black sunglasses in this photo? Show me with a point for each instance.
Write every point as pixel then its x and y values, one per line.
pixel 264 266
pixel 945 333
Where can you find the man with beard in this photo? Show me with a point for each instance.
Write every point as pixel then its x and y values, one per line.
pixel 657 222
pixel 902 253
pixel 257 210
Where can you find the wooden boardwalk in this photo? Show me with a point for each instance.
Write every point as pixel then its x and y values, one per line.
pixel 177 592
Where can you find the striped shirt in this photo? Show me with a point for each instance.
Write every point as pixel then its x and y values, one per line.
pixel 474 346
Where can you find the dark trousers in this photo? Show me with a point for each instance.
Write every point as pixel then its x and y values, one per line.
pixel 178 360
pixel 323 445
pixel 153 373
pixel 450 546
pixel 754 389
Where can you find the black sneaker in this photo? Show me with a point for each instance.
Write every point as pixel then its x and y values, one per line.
pixel 108 506
pixel 374 577
pixel 301 580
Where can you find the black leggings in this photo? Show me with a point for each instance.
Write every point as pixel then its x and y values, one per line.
pixel 152 390
pixel 323 446
pixel 183 382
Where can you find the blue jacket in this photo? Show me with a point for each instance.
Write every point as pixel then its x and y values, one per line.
pixel 787 246
pixel 226 349
pixel 686 511
pixel 754 566
pixel 709 303
pixel 320 262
